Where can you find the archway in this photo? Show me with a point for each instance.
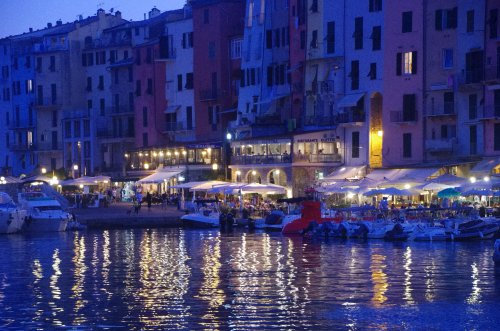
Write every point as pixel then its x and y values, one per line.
pixel 277 176
pixel 253 176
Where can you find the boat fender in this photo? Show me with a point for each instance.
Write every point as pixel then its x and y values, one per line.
pixel 481 234
pixel 452 236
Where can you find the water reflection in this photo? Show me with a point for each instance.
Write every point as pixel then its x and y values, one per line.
pixel 184 280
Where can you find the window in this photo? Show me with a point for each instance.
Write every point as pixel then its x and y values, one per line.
pixel 409 66
pixel 189 81
pixel 496 145
pixel 101 83
pixel 446 19
pixel 89 104
pixel 77 128
pixel 354 75
pixel 493 22
pixel 52 66
pixel 407 145
pixel 53 93
pixel 330 37
pixel 39 64
pixel 211 50
pixel 373 71
pixel 314 39
pixel 277 38
pixel 130 74
pixel 407 21
pixel 131 101
pixel 409 108
pixel 269 39
pixel 314 6
pixel 449 102
pixel 54 118
pixel 270 73
pixel 496 102
pixel 67 129
pixel 102 110
pixel 189 118
pixel 358 33
pixel 138 91
pixel 447 58
pixel 116 77
pixel 473 139
pixel 145 117
pixel 375 5
pixel 206 19
pixel 149 56
pixel 472 106
pixel 236 48
pixel 89 84
pixel 355 145
pixel 86 128
pixel 138 57
pixel 473 67
pixel 149 89
pixel 179 82
pixel 145 139
pixel 470 21
pixel 376 38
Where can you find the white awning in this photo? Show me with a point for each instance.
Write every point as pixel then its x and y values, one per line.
pixel 381 177
pixel 485 167
pixel 159 177
pixel 345 173
pixel 350 100
pixel 172 109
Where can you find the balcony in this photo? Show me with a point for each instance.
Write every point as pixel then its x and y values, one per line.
pixel 22 147
pixel 400 116
pixel 355 116
pixel 492 75
pixel 109 133
pixel 166 54
pixel 470 80
pixel 260 159
pixel 319 121
pixel 448 109
pixel 317 158
pixel 440 145
pixel 209 94
pixel 491 112
pixel 121 110
pixel 47 102
pixel 47 146
pixel 21 126
pixel 176 126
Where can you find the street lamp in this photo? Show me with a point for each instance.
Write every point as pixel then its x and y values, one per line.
pixel 44 170
pixel 75 170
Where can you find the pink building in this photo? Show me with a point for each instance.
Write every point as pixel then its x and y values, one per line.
pixel 150 101
pixel 218 27
pixel 402 84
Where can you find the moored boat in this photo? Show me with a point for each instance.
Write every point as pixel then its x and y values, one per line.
pixel 12 217
pixel 205 214
pixel 45 214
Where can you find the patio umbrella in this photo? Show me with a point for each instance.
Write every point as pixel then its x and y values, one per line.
pixel 449 179
pixel 435 187
pixel 448 193
pixel 477 192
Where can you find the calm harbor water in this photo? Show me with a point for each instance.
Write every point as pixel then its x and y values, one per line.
pixel 201 279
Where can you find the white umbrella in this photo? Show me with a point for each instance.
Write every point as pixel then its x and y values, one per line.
pixel 435 187
pixel 262 188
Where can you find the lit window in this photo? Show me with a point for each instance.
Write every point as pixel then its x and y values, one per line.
pixel 408 68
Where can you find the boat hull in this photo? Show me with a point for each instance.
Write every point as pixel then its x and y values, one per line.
pixel 199 221
pixel 36 224
pixel 12 221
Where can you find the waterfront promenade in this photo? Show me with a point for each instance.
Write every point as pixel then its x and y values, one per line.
pixel 121 215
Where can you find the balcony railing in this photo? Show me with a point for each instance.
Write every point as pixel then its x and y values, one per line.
pixel 48 146
pixel 492 73
pixel 110 133
pixel 260 159
pixel 47 102
pixel 440 145
pixel 176 126
pixel 351 117
pixel 491 112
pixel 471 77
pixel 167 54
pixel 448 109
pixel 317 158
pixel 21 147
pixel 121 110
pixel 209 94
pixel 400 116
pixel 319 121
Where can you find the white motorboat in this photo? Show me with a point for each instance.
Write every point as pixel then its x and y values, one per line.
pixel 426 232
pixel 11 216
pixel 205 215
pixel 45 214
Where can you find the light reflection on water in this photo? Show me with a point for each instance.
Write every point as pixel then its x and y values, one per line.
pixel 185 279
